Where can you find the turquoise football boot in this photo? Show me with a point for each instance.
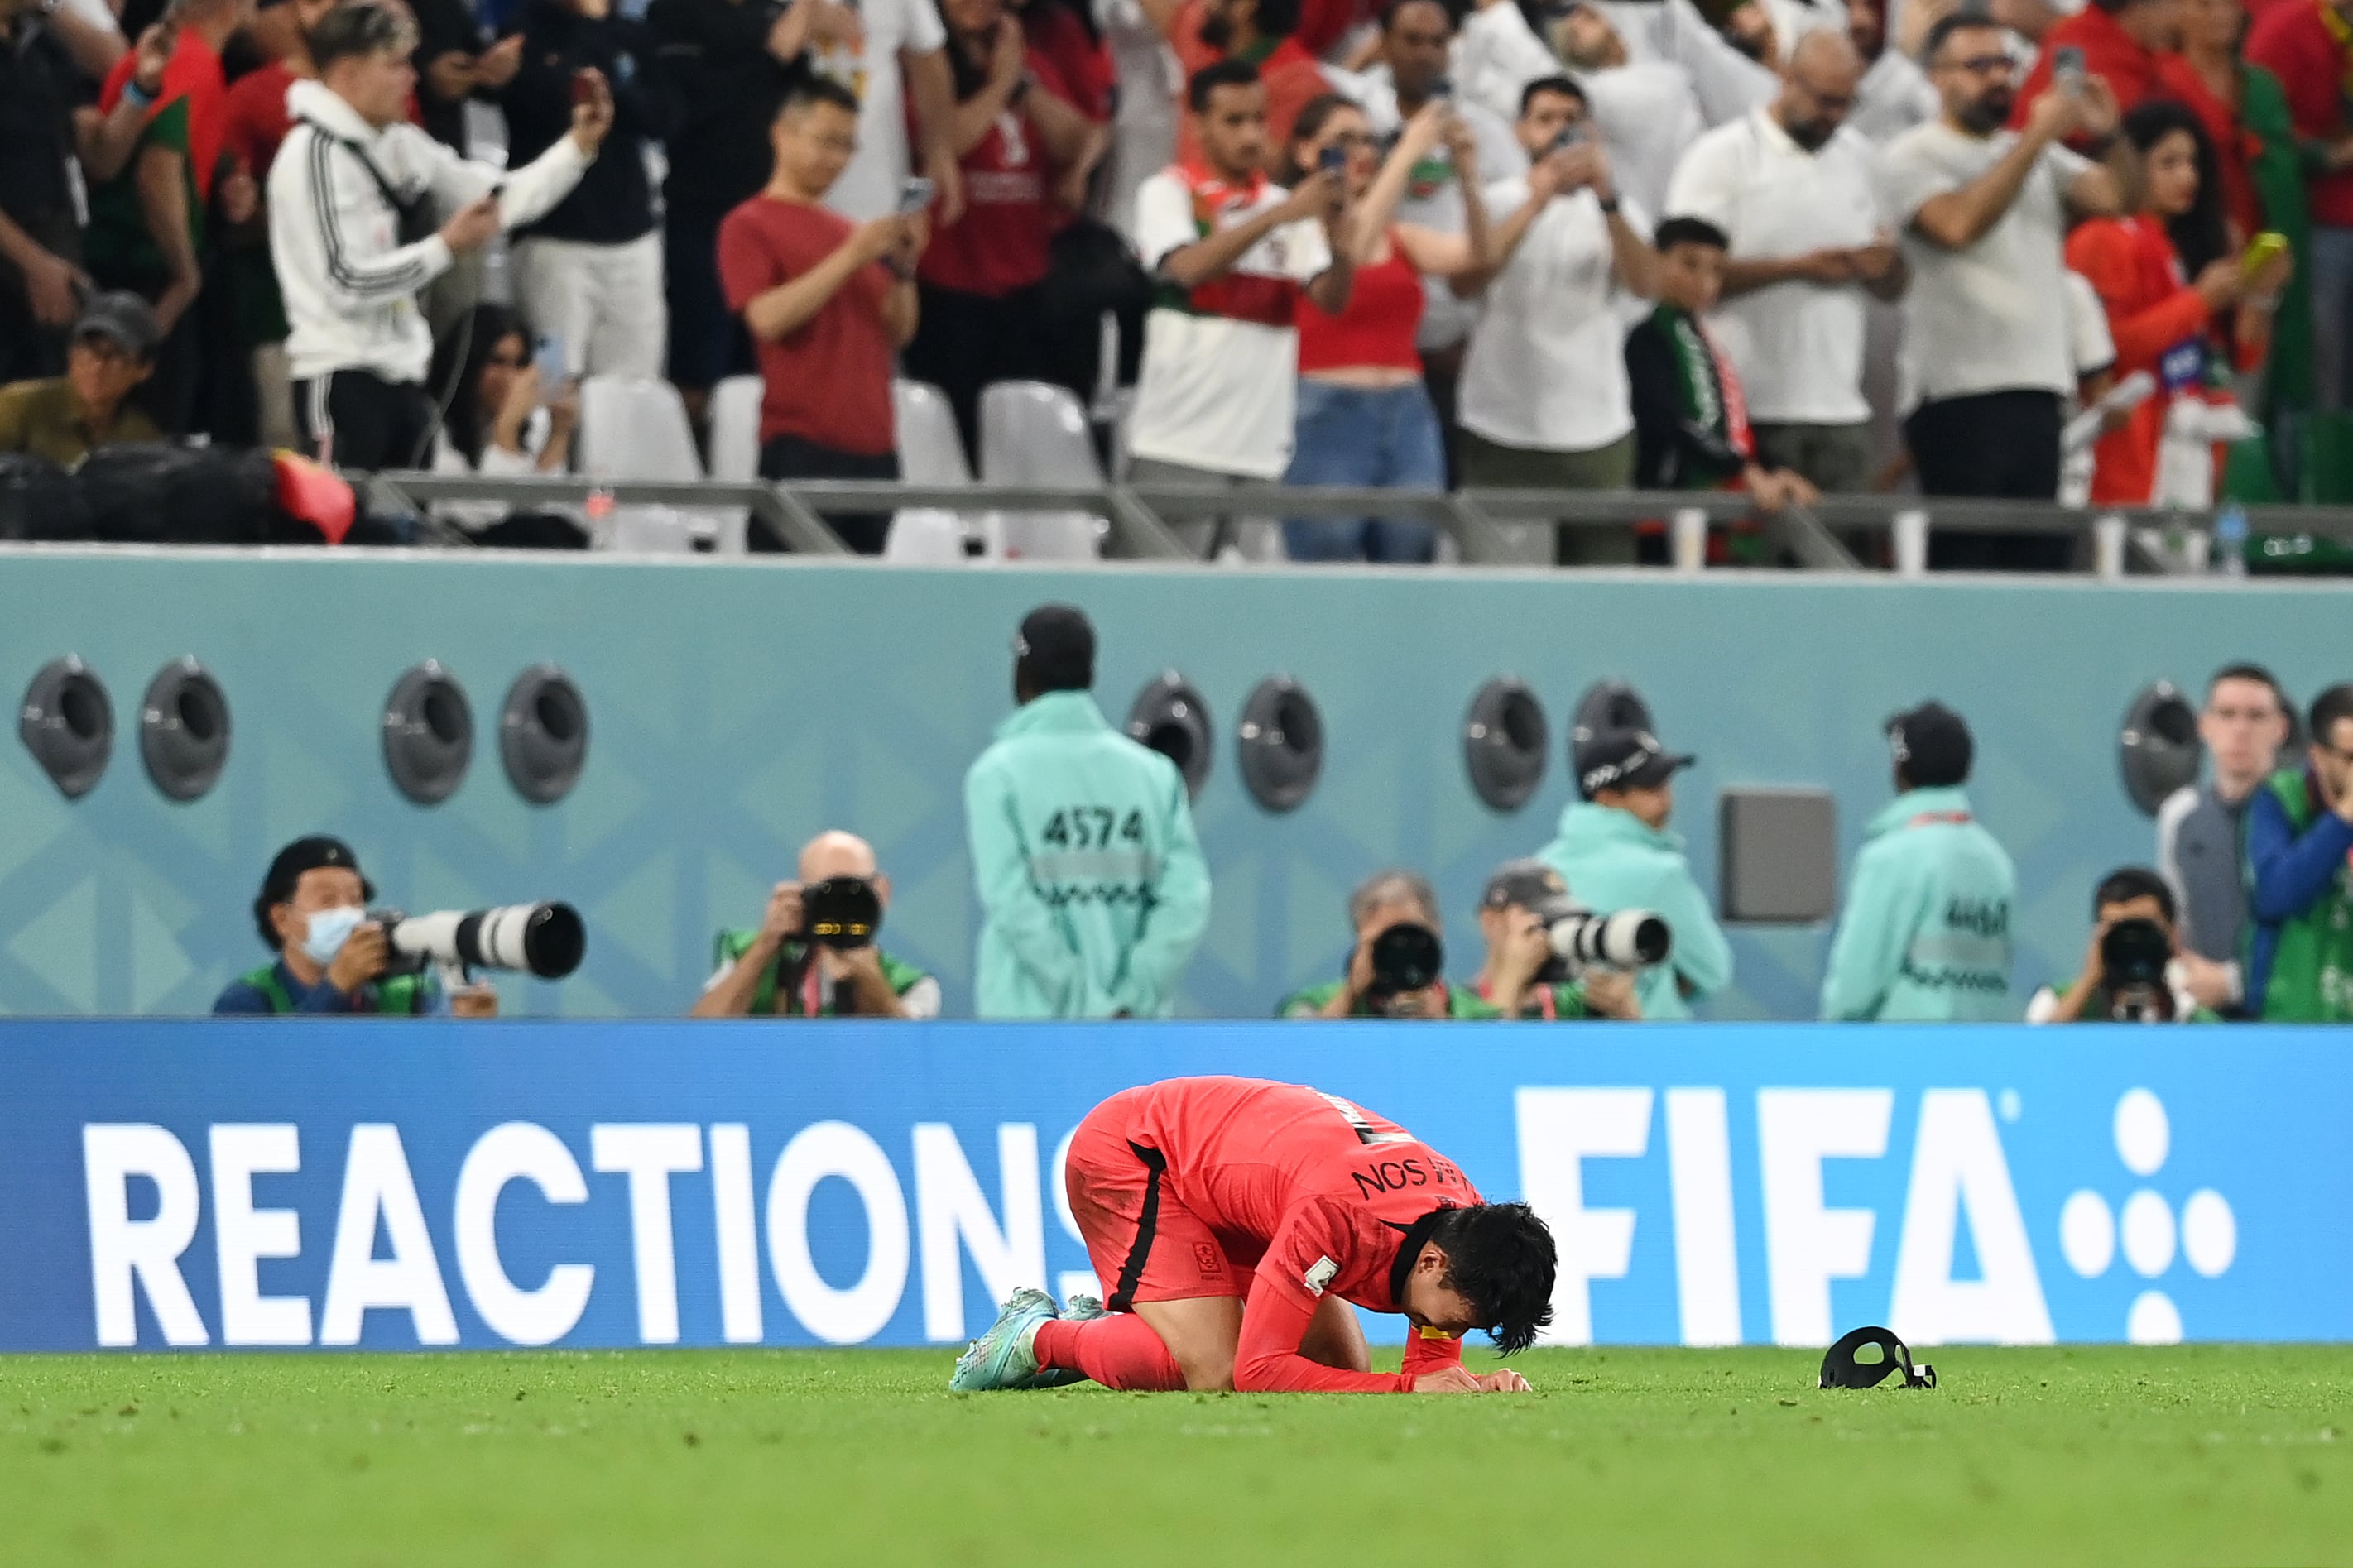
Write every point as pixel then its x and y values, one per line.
pixel 1006 1356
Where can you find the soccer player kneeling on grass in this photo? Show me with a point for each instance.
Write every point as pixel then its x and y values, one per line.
pixel 1236 1220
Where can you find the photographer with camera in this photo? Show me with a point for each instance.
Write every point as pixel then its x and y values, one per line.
pixel 814 955
pixel 331 957
pixel 1523 977
pixel 1397 968
pixel 1614 848
pixel 2137 970
pixel 1925 935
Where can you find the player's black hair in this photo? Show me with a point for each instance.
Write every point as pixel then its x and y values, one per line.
pixel 2128 882
pixel 1215 75
pixel 2331 705
pixel 1501 1257
pixel 1677 231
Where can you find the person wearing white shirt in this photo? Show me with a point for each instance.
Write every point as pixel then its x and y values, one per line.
pixel 895 36
pixel 1984 214
pixel 1545 403
pixel 1233 253
pixel 1893 95
pixel 1793 189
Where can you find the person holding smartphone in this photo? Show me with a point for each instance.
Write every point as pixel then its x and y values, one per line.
pixel 2183 303
pixel 829 304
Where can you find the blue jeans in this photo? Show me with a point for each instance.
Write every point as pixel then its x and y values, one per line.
pixel 1354 436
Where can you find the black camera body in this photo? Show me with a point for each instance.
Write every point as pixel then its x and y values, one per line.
pixel 1406 958
pixel 2134 956
pixel 840 912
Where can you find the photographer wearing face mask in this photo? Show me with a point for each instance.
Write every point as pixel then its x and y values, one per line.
pixel 1396 969
pixel 814 955
pixel 332 958
pixel 1523 977
pixel 2136 971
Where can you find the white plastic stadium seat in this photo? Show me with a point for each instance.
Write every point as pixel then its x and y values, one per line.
pixel 932 453
pixel 734 411
pixel 637 429
pixel 1033 433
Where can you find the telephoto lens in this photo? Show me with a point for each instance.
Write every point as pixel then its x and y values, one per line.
pixel 545 940
pixel 841 911
pixel 1629 938
pixel 1406 958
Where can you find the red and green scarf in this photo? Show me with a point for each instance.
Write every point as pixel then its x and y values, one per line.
pixel 1236 295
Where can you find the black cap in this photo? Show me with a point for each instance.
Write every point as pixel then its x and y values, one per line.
pixel 1625 759
pixel 1932 745
pixel 1531 885
pixel 1055 648
pixel 122 319
pixel 302 854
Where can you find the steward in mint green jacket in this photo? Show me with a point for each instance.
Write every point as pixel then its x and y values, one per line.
pixel 1613 861
pixel 1926 930
pixel 1092 888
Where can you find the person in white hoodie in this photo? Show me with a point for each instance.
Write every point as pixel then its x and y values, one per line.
pixel 352 196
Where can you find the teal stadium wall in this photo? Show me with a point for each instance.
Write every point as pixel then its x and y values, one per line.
pixel 737 708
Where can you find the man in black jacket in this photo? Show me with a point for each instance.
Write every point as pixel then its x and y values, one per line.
pixel 589 274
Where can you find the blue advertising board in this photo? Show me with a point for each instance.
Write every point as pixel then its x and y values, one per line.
pixel 396 1184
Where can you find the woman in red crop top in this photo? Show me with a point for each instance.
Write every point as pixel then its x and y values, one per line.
pixel 1363 416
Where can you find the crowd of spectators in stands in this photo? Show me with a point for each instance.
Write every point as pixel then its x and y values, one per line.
pixel 1578 247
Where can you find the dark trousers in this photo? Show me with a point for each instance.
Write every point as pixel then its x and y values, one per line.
pixel 707 341
pixel 356 420
pixel 790 457
pixel 2000 445
pixel 963 342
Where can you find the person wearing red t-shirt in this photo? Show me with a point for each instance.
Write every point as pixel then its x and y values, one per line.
pixel 1018 139
pixel 2128 43
pixel 1364 416
pixel 2160 321
pixel 1260 32
pixel 1235 1222
pixel 2308 45
pixel 828 303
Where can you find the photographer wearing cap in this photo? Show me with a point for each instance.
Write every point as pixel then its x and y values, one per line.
pixel 2299 892
pixel 1092 889
pixel 1523 977
pixel 333 959
pixel 2136 971
pixel 1394 970
pixel 1614 848
pixel 1925 932
pixel 808 961
pixel 66 419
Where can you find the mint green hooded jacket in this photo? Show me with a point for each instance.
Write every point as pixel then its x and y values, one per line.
pixel 1611 862
pixel 1092 889
pixel 1925 932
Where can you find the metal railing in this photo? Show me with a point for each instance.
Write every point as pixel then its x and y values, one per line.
pixel 1489 527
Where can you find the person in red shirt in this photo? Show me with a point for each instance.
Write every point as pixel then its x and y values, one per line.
pixel 1263 33
pixel 1018 142
pixel 2308 45
pixel 828 303
pixel 1235 1221
pixel 2161 322
pixel 2128 43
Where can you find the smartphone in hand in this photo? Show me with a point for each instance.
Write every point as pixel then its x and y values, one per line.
pixel 547 359
pixel 915 194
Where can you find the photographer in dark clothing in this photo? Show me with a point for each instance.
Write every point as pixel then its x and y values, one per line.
pixel 786 970
pixel 2136 971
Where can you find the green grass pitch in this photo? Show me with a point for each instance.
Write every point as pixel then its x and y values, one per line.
pixel 2215 1454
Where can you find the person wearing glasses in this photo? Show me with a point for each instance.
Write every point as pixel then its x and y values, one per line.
pixel 1790 185
pixel 1984 214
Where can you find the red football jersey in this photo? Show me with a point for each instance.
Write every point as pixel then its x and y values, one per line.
pixel 1313 1193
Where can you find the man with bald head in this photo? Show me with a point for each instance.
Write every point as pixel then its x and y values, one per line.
pixel 777 972
pixel 1792 184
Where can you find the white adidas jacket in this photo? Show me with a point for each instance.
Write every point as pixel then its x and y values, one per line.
pixel 350 285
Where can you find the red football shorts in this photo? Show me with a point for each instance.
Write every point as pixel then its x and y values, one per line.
pixel 1145 1245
